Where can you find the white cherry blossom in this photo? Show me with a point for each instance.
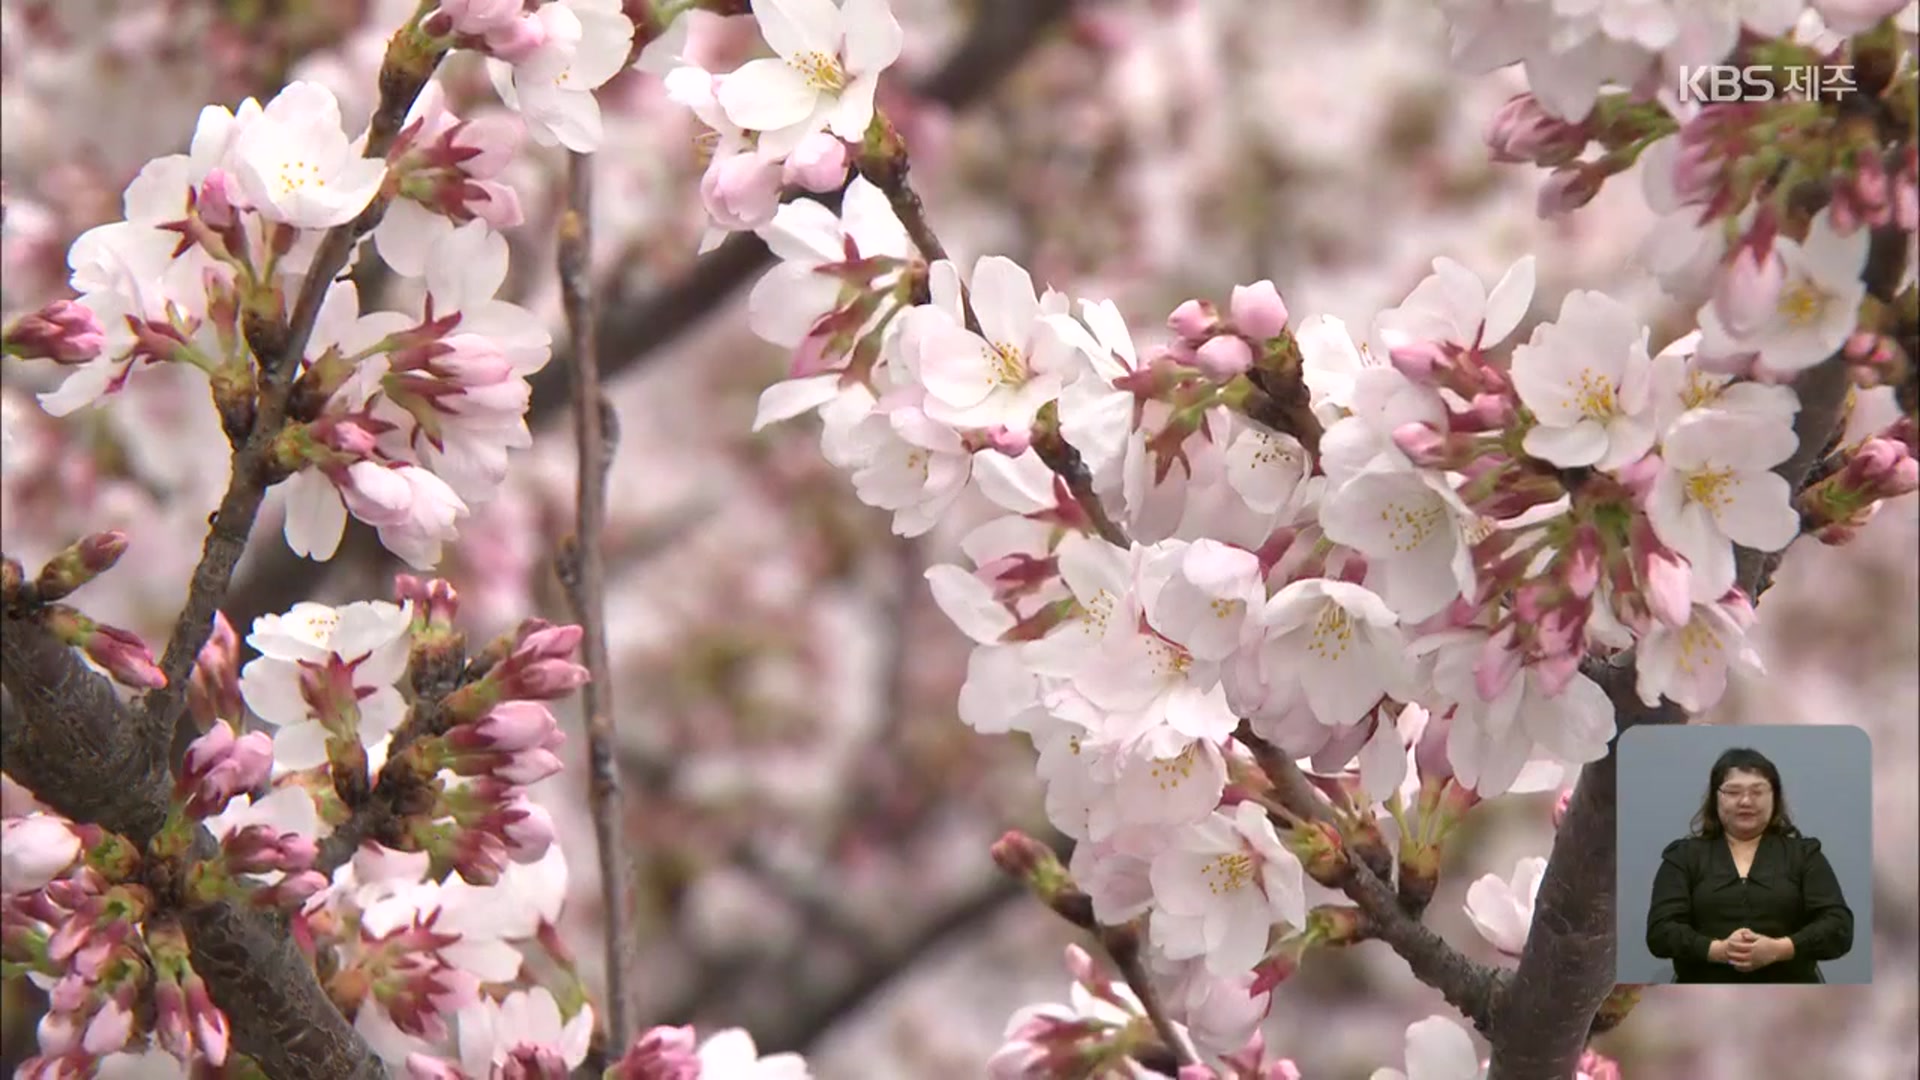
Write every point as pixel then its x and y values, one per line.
pixel 490 1030
pixel 1333 645
pixel 1817 307
pixel 1681 386
pixel 828 65
pixel 1718 489
pixel 731 1055
pixel 1586 379
pixel 1221 886
pixel 586 44
pixel 1415 532
pixel 362 645
pixel 1690 664
pixel 297 166
pixel 1001 376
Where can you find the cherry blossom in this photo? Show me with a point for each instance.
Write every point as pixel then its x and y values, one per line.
pixel 1437 1049
pixel 1503 910
pixel 828 66
pixel 297 166
pixel 1717 490
pixel 1001 376
pixel 1221 886
pixel 1814 307
pixel 1691 663
pixel 1586 379
pixel 326 673
pixel 584 43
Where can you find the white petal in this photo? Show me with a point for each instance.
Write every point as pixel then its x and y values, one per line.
pixel 767 95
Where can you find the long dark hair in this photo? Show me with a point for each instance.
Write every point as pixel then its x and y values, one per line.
pixel 1707 822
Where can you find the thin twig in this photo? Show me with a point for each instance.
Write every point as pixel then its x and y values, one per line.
pixel 1122 945
pixel 1472 987
pixel 582 567
pixel 278 347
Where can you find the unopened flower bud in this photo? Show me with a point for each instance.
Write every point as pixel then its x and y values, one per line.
pixel 1257 311
pixel 64 332
pixel 220 765
pixel 1522 131
pixel 517 39
pixel 124 656
pixel 80 563
pixel 213 689
pixel 1034 863
pixel 1318 846
pixel 1336 924
pixel 1223 356
pixel 1748 292
pixel 662 1053
pixel 741 191
pixel 1193 320
pixel 818 164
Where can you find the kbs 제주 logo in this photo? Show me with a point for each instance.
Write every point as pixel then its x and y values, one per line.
pixel 1713 83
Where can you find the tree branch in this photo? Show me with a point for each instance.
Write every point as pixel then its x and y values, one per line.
pixel 1472 987
pixel 278 347
pixel 582 570
pixel 70 741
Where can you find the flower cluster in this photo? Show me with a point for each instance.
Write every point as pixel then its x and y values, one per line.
pixel 1389 556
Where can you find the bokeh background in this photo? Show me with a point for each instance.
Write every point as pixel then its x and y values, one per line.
pixel 808 820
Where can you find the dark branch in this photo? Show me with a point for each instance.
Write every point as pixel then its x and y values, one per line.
pixel 70 741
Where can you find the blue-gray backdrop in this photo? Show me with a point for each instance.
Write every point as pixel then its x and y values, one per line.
pixel 1826 770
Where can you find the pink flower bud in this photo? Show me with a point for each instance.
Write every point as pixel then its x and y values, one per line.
pixel 1560 807
pixel 34 850
pixel 513 725
pixel 1569 188
pixel 528 830
pixel 1223 357
pixel 480 16
pixel 219 766
pixel 125 657
pixel 1665 577
pixel 1009 442
pixel 487 144
pixel 1522 131
pixel 63 331
pixel 662 1053
pixel 1749 289
pixel 818 164
pixel 741 191
pixel 1257 310
pixel 1420 361
pixel 492 202
pixel 518 38
pixel 1193 320
pixel 1423 445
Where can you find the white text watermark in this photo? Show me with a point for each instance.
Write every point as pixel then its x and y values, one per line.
pixel 1713 83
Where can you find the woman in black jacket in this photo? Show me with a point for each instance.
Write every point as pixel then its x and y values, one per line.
pixel 1746 898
